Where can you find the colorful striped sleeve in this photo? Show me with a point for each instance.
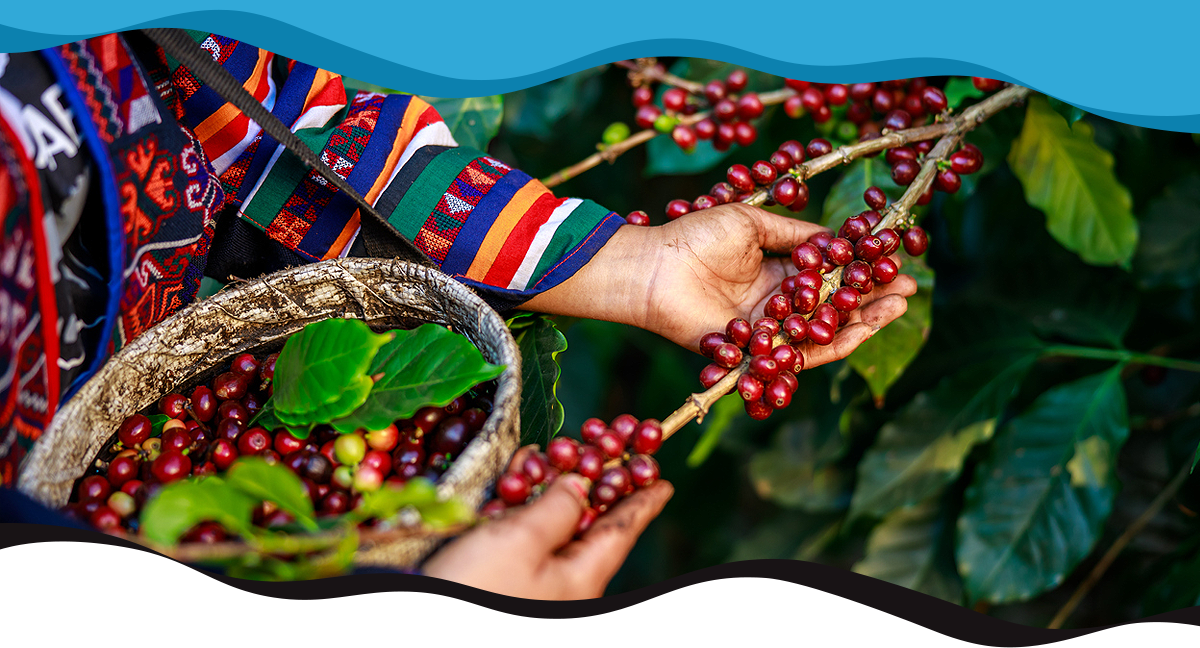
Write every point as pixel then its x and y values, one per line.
pixel 487 224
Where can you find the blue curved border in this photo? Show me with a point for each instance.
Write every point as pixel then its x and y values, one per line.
pixel 1132 64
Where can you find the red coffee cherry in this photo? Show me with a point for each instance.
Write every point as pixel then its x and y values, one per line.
pixel 868 248
pixel 749 388
pixel 786 190
pixel 764 367
pixel 739 176
pixel 794 150
pixel 934 99
pixel 807 256
pixel 796 328
pixel 890 240
pixel 758 410
pixel 737 80
pixel 818 147
pixel 738 331
pixel 712 374
pixel 647 438
pixel 768 324
pixel 749 106
pixel 763 172
pixel 875 198
pixel 820 332
pixel 727 355
pixel 947 181
pixel 677 208
pixel 760 343
pixel 845 299
pixel 841 250
pixel 915 241
pixel 805 300
pixel 710 342
pixel 884 271
pixel 563 453
pixel 904 172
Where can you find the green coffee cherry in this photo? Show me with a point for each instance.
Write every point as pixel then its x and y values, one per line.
pixel 616 133
pixel 665 123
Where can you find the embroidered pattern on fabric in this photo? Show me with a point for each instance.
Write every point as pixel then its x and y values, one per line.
pixel 444 224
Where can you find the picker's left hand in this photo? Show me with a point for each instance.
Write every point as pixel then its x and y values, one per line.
pixel 692 275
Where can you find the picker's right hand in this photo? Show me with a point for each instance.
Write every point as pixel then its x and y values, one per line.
pixel 531 552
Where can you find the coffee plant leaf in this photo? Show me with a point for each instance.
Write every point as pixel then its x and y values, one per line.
pixel 426 366
pixel 798 472
pixel 1038 503
pixel 1178 589
pixel 540 342
pixel 322 370
pixel 385 502
pixel 925 446
pixel 914 547
pixel 882 359
pixel 157 421
pixel 535 111
pixel 273 483
pixel 845 199
pixel 182 505
pixel 1070 178
pixel 268 419
pixel 1069 112
pixel 1168 254
pixel 473 121
pixel 959 89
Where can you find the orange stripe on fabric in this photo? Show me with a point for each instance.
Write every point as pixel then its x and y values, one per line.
pixel 503 225
pixel 404 135
pixel 343 238
pixel 519 239
pixel 326 90
pixel 227 113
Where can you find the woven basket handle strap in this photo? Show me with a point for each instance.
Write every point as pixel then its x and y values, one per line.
pixel 379 236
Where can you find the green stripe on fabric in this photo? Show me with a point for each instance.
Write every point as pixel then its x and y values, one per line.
pixel 427 190
pixel 285 176
pixel 578 225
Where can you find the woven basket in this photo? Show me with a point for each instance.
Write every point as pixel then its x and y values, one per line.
pixel 190 347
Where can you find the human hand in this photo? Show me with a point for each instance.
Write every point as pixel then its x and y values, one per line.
pixel 692 275
pixel 530 552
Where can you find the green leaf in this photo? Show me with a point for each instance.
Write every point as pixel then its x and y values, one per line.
pixel 923 449
pixel 1037 505
pixel 273 483
pixel 157 421
pixel 540 342
pixel 799 471
pixel 473 121
pixel 959 89
pixel 914 548
pixel 1178 589
pixel 719 417
pixel 535 111
pixel 184 504
pixel 1067 176
pixel 1168 254
pixel 321 373
pixel 428 365
pixel 1069 112
pixel 420 494
pixel 882 359
pixel 846 197
pixel 664 157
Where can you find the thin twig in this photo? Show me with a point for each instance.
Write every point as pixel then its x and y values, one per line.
pixel 1119 545
pixel 952 131
pixel 656 73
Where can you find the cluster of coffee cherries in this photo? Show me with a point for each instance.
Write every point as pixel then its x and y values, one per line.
pixel 209 428
pixel 906 164
pixel 731 109
pixel 767 351
pixel 615 457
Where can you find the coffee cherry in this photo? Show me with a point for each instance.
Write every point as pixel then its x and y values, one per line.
pixel 646 116
pixel 904 172
pixel 826 313
pixel 778 307
pixel 643 470
pixel 764 367
pixel 787 358
pixel 385 439
pixel 809 278
pixel 348 449
pixel 245 365
pixel 724 137
pixel 822 115
pixel 857 274
pixel 737 80
pixel 737 331
pixel 642 96
pixel 853 229
pixel 604 496
pixel 255 441
pixel 926 196
pixel 285 444
pixel 563 453
pixel 896 155
pixel 760 343
pixel 618 478
pixel 762 172
pixel 232 409
pixel 624 426
pixel 986 85
pixel 841 250
pixel 845 299
pixel 712 374
pixel 674 99
pixel 882 100
pixel 820 332
pixel 915 241
pixel 818 147
pixel 897 120
pixel 744 133
pixel 592 429
pixel 230 386
pixel 884 271
pixel 947 181
pixel 452 436
pixel 684 137
pixel 777 394
pixel 177 440
pixel 610 444
pixel 890 240
pixel 677 208
pixel 638 217
pixel 934 99
pixel 786 190
pixel 758 410
pixel 727 355
pixel 647 438
pixel 172 466
pixel 94 488
pixel 796 328
pixel 173 405
pixel 805 299
pixel 134 430
pixel 123 504
pixel 121 470
pixel 749 106
pixel 768 324
pixel 868 248
pixel 105 519
pixel 367 479
pixel 230 430
pixel 875 198
pixel 223 454
pixel 591 462
pixel 861 91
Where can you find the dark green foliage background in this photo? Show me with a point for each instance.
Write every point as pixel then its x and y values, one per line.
pixel 811 483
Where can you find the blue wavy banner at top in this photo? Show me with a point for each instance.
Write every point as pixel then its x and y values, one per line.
pixel 1131 62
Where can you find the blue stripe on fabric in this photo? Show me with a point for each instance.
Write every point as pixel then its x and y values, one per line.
pixel 206 101
pixel 113 223
pixel 289 104
pixel 466 244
